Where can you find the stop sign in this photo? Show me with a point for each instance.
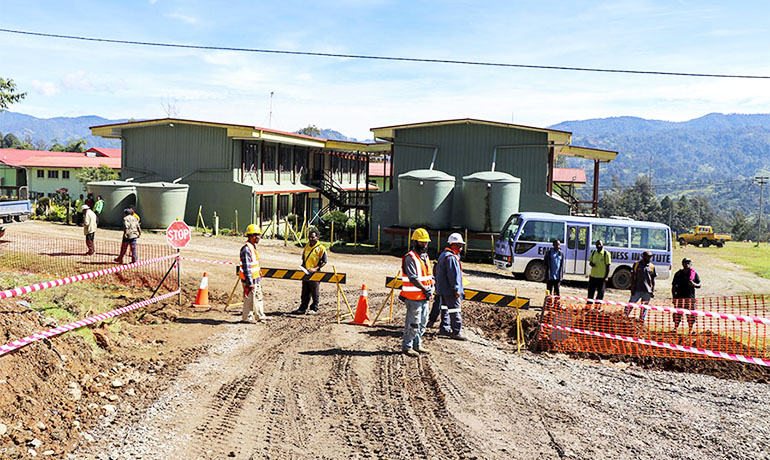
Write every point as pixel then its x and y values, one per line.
pixel 178 234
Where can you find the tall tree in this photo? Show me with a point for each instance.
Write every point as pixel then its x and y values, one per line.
pixel 103 172
pixel 73 146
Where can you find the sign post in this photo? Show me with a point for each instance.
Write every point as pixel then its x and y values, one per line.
pixel 178 236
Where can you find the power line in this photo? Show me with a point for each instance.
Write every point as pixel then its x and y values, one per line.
pixel 381 58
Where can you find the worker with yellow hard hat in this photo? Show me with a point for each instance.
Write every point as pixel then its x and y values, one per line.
pixel 416 292
pixel 251 277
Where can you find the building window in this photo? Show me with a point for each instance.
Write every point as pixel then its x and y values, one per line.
pixel 65 174
pixel 266 206
pixel 299 204
pixel 53 174
pixel 300 162
pixel 283 205
pixel 40 174
pixel 268 156
pixel 251 161
pixel 285 159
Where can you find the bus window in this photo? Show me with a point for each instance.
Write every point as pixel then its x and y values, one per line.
pixel 611 235
pixel 542 232
pixel 511 227
pixel 649 238
pixel 571 238
pixel 582 237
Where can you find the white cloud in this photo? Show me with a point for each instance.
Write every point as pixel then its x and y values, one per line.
pixel 48 88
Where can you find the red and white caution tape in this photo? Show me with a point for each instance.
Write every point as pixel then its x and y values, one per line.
pixel 72 279
pixel 209 261
pixel 670 346
pixel 16 344
pixel 708 314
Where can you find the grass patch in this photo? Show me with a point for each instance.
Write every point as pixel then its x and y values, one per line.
pixel 755 259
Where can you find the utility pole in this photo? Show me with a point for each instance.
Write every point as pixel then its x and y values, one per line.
pixel 761 181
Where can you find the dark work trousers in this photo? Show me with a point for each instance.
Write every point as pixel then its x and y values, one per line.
pixel 90 243
pixel 451 318
pixel 684 304
pixel 310 289
pixel 435 311
pixel 596 286
pixel 553 286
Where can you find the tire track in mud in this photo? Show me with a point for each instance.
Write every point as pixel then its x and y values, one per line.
pixel 251 408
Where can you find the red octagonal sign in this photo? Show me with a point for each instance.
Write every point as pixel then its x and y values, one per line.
pixel 178 234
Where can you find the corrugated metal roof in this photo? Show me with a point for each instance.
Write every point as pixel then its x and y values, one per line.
pixel 105 152
pixel 387 132
pixel 80 161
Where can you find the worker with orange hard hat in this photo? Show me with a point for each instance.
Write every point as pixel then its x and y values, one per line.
pixel 416 292
pixel 251 277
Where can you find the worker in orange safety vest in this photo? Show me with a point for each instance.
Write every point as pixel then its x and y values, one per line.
pixel 251 277
pixel 416 292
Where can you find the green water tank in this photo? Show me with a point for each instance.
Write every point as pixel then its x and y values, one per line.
pixel 489 198
pixel 117 196
pixel 160 203
pixel 425 199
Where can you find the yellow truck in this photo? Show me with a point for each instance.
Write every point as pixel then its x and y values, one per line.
pixel 703 235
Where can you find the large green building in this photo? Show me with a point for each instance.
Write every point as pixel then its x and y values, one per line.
pixel 466 146
pixel 263 174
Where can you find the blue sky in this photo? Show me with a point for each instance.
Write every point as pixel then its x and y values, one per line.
pixel 71 78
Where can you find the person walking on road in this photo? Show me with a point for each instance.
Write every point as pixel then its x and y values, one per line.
pixel 313 259
pixel 683 287
pixel 89 228
pixel 251 277
pixel 131 233
pixel 449 286
pixel 642 284
pixel 554 267
pixel 416 292
pixel 599 261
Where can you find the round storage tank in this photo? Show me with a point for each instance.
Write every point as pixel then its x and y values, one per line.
pixel 117 196
pixel 489 199
pixel 425 198
pixel 160 203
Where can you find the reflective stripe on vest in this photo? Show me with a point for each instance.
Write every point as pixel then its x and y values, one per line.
pixel 409 290
pixel 255 270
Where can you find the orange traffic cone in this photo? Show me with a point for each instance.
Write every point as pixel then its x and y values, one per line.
pixel 202 299
pixel 362 310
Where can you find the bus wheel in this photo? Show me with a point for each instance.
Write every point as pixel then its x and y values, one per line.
pixel 535 271
pixel 621 279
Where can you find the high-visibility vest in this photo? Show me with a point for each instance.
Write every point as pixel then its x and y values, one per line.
pixel 409 290
pixel 255 270
pixel 312 255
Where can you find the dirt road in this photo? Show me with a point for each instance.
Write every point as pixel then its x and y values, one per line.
pixel 306 388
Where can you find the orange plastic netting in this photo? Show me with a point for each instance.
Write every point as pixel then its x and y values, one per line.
pixel 63 256
pixel 733 327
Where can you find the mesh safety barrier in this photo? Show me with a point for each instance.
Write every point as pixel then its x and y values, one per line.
pixel 731 327
pixel 64 256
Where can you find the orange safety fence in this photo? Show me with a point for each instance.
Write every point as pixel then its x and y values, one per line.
pixel 65 256
pixel 731 327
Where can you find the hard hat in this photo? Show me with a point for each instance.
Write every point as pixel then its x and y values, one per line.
pixel 84 207
pixel 455 238
pixel 253 230
pixel 421 235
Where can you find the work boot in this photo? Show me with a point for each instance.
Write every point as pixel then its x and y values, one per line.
pixel 298 311
pixel 422 350
pixel 458 336
pixel 312 312
pixel 410 352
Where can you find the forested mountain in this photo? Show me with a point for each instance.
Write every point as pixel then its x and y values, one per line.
pixel 714 156
pixel 63 129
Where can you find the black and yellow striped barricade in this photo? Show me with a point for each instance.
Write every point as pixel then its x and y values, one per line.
pixel 492 298
pixel 390 298
pixel 299 275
